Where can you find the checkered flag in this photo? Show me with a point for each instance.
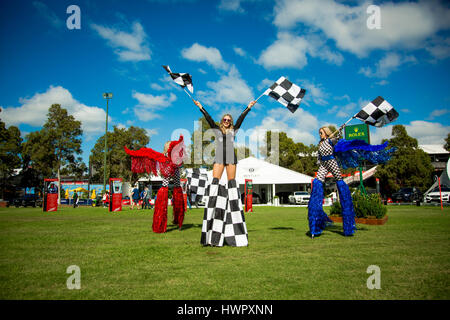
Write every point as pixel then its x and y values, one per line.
pixel 197 180
pixel 182 79
pixel 286 93
pixel 377 113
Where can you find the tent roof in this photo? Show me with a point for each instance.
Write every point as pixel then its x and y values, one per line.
pixel 263 172
pixel 433 148
pixel 366 175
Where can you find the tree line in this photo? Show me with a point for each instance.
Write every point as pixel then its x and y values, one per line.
pixel 55 151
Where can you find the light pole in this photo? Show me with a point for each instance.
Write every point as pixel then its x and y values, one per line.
pixel 107 96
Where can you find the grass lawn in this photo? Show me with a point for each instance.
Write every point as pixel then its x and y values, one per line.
pixel 121 258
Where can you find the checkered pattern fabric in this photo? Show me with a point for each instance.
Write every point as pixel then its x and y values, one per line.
pixel 235 227
pixel 286 93
pixel 377 113
pixel 326 149
pixel 182 79
pixel 175 178
pixel 197 180
pixel 223 220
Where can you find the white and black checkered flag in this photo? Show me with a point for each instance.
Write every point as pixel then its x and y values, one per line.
pixel 197 181
pixel 377 113
pixel 182 79
pixel 286 93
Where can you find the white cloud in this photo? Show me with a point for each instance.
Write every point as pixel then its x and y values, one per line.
pixel 345 111
pixel 382 82
pixel 286 51
pixel 148 105
pixel 210 55
pixel 239 51
pixel 389 63
pixel 49 15
pixel 167 84
pixel 151 132
pixel 264 84
pixel 425 132
pixel 438 113
pixel 33 111
pixel 314 92
pixel 231 5
pixel 291 51
pixel 299 125
pixel 230 88
pixel 404 25
pixel 129 46
pixel 439 48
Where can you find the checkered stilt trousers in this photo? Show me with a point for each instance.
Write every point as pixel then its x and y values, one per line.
pixel 223 220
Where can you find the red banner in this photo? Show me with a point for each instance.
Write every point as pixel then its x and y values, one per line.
pixel 52 202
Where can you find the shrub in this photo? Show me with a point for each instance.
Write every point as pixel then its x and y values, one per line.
pixel 364 206
pixel 336 209
pixel 370 205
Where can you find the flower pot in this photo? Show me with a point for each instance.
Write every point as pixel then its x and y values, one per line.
pixel 369 221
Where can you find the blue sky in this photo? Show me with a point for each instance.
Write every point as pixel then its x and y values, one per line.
pixel 234 50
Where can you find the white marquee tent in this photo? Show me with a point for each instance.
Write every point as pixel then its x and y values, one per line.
pixel 268 179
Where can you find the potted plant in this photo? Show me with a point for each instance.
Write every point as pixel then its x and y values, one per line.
pixel 369 209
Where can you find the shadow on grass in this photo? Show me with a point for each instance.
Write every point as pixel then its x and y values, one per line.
pixel 282 228
pixel 183 227
pixel 335 229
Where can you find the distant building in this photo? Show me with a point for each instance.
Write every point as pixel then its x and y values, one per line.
pixel 438 155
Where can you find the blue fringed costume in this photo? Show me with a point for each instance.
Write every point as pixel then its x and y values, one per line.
pixel 332 154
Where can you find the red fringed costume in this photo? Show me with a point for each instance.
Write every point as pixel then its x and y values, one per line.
pixel 149 160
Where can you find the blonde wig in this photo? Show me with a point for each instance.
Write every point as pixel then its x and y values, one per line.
pixel 222 127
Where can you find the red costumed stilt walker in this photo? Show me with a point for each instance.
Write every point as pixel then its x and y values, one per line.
pixel 168 163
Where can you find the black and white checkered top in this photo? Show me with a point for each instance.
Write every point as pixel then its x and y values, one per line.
pixel 325 148
pixel 224 151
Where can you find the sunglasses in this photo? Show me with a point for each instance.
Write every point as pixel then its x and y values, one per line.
pixel 226 120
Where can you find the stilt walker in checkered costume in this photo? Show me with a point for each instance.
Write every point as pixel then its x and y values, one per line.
pixel 333 154
pixel 224 221
pixel 168 163
pixel 317 218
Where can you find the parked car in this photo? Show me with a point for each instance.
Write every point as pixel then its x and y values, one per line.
pixel 434 195
pixel 283 196
pixel 409 194
pixel 299 197
pixel 27 201
pixel 256 198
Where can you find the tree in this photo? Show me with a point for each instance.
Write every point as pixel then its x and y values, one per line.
pixel 38 154
pixel 242 152
pixel 76 169
pixel 447 142
pixel 10 149
pixel 65 133
pixel 295 156
pixel 202 150
pixel 409 166
pixel 118 162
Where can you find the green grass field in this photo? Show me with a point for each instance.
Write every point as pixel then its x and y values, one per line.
pixel 121 258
